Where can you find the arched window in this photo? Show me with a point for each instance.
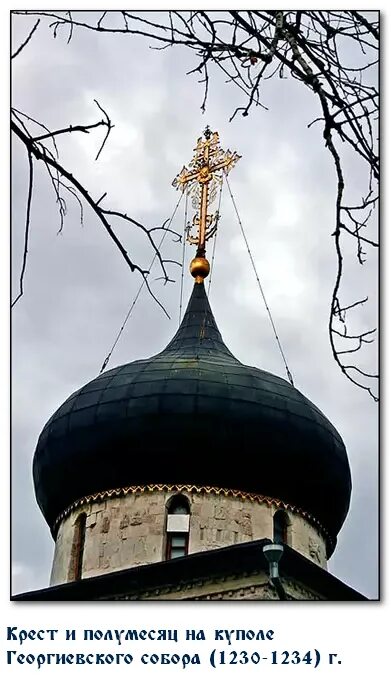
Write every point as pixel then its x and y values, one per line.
pixel 280 526
pixel 177 527
pixel 77 549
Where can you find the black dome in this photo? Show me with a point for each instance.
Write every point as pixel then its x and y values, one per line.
pixel 193 414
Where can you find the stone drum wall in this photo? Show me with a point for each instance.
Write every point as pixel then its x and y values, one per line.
pixel 124 530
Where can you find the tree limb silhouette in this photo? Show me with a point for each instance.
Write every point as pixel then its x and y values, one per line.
pixel 332 53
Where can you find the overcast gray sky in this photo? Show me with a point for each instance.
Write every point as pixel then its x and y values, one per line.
pixel 78 288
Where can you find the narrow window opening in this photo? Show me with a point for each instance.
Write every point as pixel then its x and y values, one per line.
pixel 177 545
pixel 77 549
pixel 177 527
pixel 178 504
pixel 280 527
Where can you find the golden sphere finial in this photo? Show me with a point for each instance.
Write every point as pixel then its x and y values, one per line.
pixel 199 268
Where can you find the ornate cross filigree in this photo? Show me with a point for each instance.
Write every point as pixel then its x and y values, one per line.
pixel 202 180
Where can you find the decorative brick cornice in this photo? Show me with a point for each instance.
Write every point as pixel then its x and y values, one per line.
pixel 244 586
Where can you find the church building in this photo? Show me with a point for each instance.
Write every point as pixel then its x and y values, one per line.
pixel 189 475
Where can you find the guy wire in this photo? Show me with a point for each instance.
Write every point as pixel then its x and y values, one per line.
pixel 183 257
pixel 289 375
pixel 140 287
pixel 215 239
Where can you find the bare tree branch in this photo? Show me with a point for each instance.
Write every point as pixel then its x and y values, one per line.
pixel 109 127
pixel 78 128
pixel 27 226
pixel 36 149
pixel 30 35
pixel 248 47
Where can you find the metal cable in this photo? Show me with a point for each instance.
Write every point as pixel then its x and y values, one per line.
pixel 140 288
pixel 183 257
pixel 203 326
pixel 215 239
pixel 289 375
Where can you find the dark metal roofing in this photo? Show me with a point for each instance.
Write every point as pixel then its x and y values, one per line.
pixel 193 414
pixel 234 560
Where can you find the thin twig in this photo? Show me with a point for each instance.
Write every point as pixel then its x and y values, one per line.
pixel 27 226
pixel 41 155
pixel 30 35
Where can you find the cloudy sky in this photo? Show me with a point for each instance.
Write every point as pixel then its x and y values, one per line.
pixel 78 288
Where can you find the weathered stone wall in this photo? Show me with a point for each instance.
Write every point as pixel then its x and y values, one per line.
pixel 127 531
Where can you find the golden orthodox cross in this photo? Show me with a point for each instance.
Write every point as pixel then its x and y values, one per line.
pixel 201 180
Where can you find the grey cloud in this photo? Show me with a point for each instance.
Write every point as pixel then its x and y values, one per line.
pixel 78 289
